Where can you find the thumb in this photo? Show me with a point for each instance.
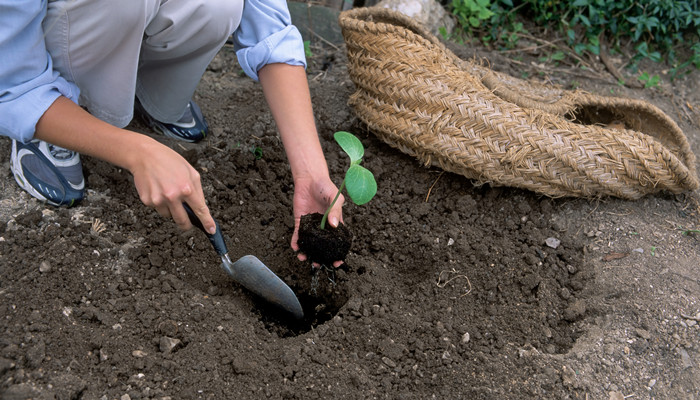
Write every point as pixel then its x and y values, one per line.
pixel 335 217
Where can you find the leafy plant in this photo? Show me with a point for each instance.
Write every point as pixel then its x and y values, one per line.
pixel 656 29
pixel 649 81
pixel 257 152
pixel 472 12
pixel 359 181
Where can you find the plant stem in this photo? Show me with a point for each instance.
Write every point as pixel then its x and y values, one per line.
pixel 325 216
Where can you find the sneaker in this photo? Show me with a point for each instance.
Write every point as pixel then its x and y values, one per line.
pixel 50 173
pixel 191 127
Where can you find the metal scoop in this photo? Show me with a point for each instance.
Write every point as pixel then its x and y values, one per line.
pixel 250 272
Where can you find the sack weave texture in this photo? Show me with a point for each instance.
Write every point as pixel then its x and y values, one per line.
pixel 419 97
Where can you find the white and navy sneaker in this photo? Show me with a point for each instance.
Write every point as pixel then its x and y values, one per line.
pixel 191 127
pixel 50 173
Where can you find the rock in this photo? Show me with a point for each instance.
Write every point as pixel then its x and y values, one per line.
pixel 44 267
pixel 615 395
pixel 568 376
pixel 552 242
pixel 139 353
pixel 428 12
pixel 168 344
pixel 685 359
pixel 642 333
pixel 389 362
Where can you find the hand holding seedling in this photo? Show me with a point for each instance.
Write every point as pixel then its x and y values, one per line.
pixel 358 180
pixel 327 246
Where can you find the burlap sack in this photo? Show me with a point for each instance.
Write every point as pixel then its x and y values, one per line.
pixel 419 97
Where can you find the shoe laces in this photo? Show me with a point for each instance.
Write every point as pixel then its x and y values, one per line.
pixel 59 153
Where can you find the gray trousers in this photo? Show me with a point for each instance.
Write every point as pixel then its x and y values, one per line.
pixel 157 50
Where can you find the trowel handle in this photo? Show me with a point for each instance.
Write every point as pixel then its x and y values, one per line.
pixel 217 239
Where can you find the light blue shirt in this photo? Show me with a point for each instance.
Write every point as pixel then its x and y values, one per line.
pixel 29 85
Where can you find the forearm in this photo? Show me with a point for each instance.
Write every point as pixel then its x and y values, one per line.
pixel 287 93
pixel 67 125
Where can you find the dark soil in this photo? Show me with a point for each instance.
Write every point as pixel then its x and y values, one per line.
pixel 449 291
pixel 323 246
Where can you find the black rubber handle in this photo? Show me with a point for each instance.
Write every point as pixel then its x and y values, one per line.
pixel 217 239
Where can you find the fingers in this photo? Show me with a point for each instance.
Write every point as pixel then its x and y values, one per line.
pixel 201 211
pixel 335 217
pixel 295 235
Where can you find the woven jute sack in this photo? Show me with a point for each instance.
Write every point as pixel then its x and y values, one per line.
pixel 419 97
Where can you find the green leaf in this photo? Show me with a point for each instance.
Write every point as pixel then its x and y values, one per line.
pixel 350 145
pixel 360 184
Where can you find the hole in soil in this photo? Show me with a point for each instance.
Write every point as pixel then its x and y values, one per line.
pixel 320 302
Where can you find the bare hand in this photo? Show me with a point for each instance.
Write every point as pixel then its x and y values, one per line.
pixel 164 180
pixel 315 197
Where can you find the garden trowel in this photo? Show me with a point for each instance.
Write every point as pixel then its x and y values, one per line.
pixel 250 272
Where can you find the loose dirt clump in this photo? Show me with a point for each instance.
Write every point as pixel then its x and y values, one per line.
pixel 449 290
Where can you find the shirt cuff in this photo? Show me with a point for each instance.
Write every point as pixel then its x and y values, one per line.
pixel 21 115
pixel 285 46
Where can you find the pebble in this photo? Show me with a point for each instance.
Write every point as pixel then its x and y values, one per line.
pixel 552 242
pixel 642 333
pixel 44 267
pixel 651 383
pixel 389 362
pixel 638 250
pixel 139 353
pixel 465 337
pixel 685 359
pixel 615 395
pixel 168 344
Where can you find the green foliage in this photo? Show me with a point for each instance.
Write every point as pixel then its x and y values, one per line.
pixel 307 49
pixel 257 152
pixel 472 12
pixel 656 28
pixel 359 181
pixel 649 81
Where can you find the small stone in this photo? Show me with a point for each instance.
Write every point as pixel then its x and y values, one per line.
pixel 642 333
pixel 44 267
pixel 125 397
pixel 465 337
pixel 685 359
pixel 389 362
pixel 615 395
pixel 139 353
pixel 213 290
pixel 168 344
pixel 450 242
pixel 552 242
pixel 651 383
pixel 638 250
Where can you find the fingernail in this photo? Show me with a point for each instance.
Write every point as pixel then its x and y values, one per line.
pixel 212 230
pixel 334 222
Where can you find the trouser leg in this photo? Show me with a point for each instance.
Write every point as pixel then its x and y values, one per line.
pixel 156 49
pixel 179 43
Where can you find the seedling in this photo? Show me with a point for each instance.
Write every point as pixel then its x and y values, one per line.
pixel 358 181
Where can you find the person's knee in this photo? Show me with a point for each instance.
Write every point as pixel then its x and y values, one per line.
pixel 221 16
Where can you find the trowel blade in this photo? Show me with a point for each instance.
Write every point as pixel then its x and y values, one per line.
pixel 255 276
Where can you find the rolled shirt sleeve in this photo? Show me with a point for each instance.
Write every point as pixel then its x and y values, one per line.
pixel 266 35
pixel 28 83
